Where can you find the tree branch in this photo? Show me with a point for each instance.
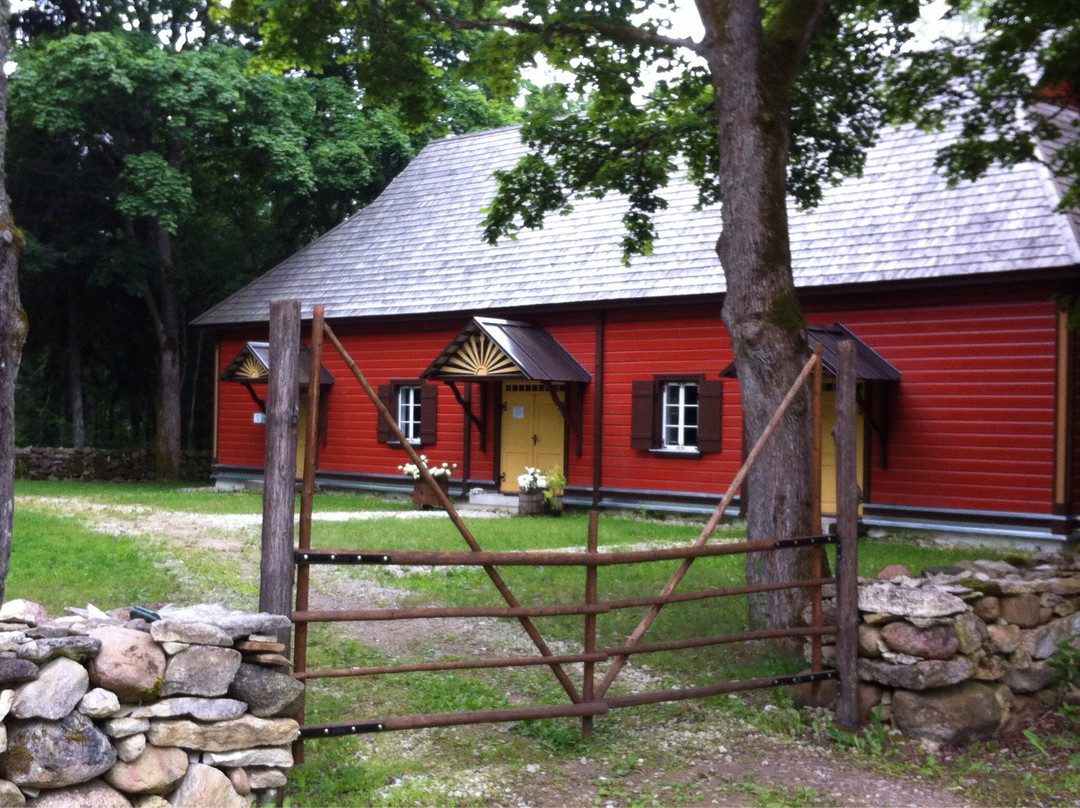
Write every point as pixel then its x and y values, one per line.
pixel 615 31
pixel 787 36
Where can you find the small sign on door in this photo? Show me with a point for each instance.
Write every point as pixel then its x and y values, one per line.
pixel 518 411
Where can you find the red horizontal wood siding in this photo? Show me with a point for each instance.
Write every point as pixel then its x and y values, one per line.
pixel 640 344
pixel 240 440
pixel 972 417
pixel 383 354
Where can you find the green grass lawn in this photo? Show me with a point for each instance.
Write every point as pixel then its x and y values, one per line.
pixel 184 497
pixel 59 561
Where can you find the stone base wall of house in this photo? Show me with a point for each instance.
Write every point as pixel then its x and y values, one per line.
pixel 62 463
pixel 191 709
pixel 952 655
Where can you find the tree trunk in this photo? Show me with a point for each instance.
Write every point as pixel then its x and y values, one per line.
pixel 13 326
pixel 761 310
pixel 163 303
pixel 74 371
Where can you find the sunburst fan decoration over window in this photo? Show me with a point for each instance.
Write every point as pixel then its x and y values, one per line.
pixel 479 356
pixel 251 368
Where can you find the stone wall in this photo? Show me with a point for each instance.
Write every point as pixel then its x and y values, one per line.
pixel 192 709
pixel 62 463
pixel 951 655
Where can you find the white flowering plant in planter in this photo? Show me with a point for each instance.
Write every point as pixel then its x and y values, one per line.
pixel 532 480
pixel 441 470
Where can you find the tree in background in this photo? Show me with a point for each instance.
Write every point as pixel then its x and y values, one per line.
pixel 170 176
pixel 778 98
pixel 12 321
pixel 1017 55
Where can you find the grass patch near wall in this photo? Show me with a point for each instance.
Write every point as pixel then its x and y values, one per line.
pixel 550 585
pixel 57 561
pixel 185 497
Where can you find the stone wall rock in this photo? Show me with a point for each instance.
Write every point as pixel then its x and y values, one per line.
pixel 953 715
pixel 99 710
pixel 955 648
pixel 65 463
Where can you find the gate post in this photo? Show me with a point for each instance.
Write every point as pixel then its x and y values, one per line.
pixel 279 463
pixel 847 526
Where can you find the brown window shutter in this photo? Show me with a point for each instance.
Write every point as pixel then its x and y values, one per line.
pixel 642 415
pixel 429 412
pixel 710 394
pixel 386 396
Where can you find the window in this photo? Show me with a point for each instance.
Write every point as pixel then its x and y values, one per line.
pixel 408 411
pixel 414 405
pixel 676 415
pixel 679 427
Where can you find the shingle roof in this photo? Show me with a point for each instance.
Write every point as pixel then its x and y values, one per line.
pixel 418 249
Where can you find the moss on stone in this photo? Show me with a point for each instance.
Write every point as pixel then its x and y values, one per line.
pixel 979 585
pixel 152 693
pixel 16 760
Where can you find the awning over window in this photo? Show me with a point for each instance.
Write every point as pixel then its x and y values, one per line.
pixel 252 364
pixel 489 348
pixel 869 364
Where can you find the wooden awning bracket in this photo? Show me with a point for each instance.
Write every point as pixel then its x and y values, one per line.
pixel 255 397
pixel 879 428
pixel 564 407
pixel 466 407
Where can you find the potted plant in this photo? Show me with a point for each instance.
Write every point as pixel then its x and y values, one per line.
pixel 531 487
pixel 554 494
pixel 422 495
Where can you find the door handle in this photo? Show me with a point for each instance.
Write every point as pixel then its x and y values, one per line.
pixel 536 440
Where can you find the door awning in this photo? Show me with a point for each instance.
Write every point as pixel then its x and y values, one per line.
pixel 252 364
pixel 504 349
pixel 869 364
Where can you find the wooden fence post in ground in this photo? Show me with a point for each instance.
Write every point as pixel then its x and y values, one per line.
pixel 847 526
pixel 279 465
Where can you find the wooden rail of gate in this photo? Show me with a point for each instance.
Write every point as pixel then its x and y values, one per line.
pixel 593 699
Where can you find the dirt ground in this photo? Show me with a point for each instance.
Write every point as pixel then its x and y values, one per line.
pixel 722 764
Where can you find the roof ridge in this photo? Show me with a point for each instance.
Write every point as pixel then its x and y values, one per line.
pixel 453 137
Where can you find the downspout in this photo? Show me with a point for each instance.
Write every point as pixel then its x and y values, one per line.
pixel 466 449
pixel 598 410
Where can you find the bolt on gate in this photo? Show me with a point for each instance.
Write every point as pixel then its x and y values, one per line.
pixel 593 697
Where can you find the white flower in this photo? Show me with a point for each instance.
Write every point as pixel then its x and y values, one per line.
pixel 532 480
pixel 413 471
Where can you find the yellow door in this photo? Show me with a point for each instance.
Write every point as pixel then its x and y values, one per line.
pixel 532 432
pixel 301 434
pixel 828 449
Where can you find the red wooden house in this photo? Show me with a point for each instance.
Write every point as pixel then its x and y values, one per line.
pixel 548 349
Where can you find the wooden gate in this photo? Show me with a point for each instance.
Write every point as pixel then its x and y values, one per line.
pixel 593 697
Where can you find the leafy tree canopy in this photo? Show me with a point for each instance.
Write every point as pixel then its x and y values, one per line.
pixel 633 134
pixel 1025 55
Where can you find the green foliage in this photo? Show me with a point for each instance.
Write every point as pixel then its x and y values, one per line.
pixel 629 134
pixel 560 736
pixel 1024 55
pixel 1065 662
pixel 870 740
pixel 182 497
pixel 113 136
pixel 57 561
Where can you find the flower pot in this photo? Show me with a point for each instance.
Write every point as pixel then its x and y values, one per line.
pixel 530 502
pixel 554 505
pixel 422 495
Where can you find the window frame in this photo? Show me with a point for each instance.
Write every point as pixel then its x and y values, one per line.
pixel 673 433
pixel 647 416
pixel 390 392
pixel 410 412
